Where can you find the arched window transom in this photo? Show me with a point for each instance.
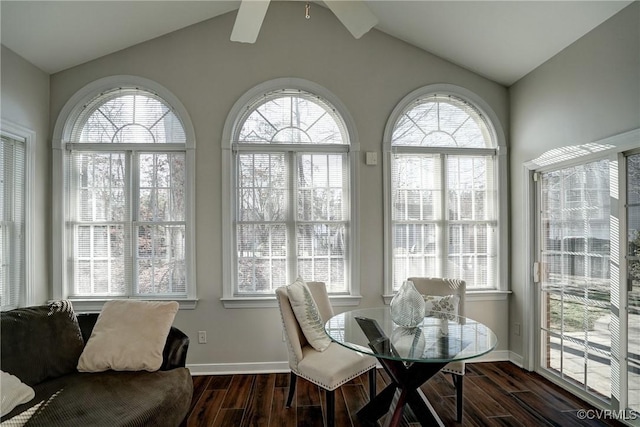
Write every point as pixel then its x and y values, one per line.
pixel 128 116
pixel 442 121
pixel 291 117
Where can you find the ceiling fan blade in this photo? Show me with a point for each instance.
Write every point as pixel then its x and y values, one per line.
pixel 354 14
pixel 249 20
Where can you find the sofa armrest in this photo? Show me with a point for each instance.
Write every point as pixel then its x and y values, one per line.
pixel 174 354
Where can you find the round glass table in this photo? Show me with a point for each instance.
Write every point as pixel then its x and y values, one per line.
pixel 409 355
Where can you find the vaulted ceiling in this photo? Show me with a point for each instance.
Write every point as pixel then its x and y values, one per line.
pixel 501 40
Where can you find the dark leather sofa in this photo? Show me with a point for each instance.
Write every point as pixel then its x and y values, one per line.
pixel 41 346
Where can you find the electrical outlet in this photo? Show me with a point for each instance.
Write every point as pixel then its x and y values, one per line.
pixel 516 329
pixel 202 337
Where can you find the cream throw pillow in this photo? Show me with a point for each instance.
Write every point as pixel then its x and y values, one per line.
pixel 14 392
pixel 306 311
pixel 442 306
pixel 128 336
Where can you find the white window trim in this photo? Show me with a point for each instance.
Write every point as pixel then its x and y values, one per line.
pixel 617 144
pixel 229 299
pixel 16 131
pixel 495 127
pixel 62 135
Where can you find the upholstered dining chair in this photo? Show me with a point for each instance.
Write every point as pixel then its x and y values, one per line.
pixel 329 368
pixel 442 287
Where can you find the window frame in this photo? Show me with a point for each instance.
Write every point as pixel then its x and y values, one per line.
pixel 230 299
pixel 60 201
pixel 17 132
pixel 501 290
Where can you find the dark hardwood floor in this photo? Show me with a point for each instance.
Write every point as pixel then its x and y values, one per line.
pixel 495 394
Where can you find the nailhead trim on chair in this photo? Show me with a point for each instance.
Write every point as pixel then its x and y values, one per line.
pixel 326 387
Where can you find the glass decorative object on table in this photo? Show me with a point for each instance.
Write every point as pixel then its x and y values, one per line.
pixel 407 306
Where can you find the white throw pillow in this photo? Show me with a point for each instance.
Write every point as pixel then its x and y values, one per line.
pixel 14 392
pixel 128 336
pixel 445 306
pixel 306 311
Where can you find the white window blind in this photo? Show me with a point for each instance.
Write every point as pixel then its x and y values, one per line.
pixel 444 204
pixel 12 221
pixel 292 209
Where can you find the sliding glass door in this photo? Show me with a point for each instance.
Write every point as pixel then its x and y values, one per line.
pixel 575 275
pixel 587 278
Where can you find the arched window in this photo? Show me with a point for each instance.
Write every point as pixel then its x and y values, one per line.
pixel 127 211
pixel 442 191
pixel 290 187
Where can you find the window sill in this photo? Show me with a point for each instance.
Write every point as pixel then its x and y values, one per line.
pixel 271 302
pixel 81 305
pixel 470 296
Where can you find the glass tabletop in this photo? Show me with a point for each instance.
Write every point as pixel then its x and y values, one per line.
pixel 440 338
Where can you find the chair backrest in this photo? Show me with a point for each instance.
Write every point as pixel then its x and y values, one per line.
pixel 293 334
pixel 441 287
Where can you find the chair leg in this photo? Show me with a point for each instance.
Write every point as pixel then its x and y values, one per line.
pixel 331 407
pixel 457 382
pixel 372 384
pixel 292 388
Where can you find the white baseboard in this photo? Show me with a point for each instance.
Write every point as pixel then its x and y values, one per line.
pixel 238 368
pixel 516 359
pixel 277 367
pixel 494 356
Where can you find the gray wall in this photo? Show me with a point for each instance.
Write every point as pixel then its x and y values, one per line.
pixel 589 91
pixel 208 74
pixel 25 102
